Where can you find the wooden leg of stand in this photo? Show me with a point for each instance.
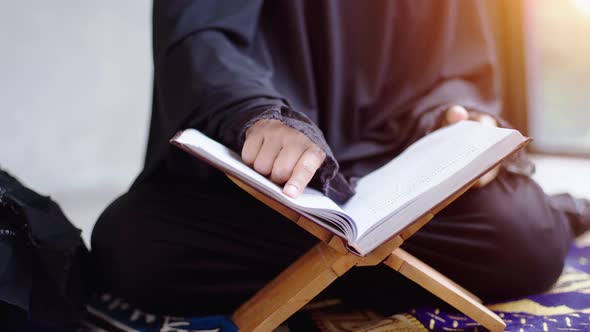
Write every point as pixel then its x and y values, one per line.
pixel 293 288
pixel 445 289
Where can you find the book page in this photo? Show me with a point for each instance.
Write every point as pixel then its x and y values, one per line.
pixel 230 162
pixel 424 165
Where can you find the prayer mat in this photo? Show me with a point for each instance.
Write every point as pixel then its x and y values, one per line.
pixel 566 307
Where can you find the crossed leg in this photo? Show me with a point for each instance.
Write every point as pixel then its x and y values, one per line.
pixel 202 248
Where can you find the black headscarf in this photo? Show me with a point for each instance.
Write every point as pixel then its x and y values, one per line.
pixel 363 79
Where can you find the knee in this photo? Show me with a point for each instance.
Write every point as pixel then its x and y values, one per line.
pixel 528 251
pixel 501 241
pixel 120 250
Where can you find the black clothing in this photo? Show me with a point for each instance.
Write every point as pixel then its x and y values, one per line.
pixel 577 209
pixel 368 76
pixel 44 276
pixel 363 79
pixel 204 248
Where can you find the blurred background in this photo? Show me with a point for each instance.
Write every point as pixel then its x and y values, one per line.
pixel 559 47
pixel 75 87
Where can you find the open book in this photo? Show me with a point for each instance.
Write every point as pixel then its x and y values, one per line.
pixel 390 198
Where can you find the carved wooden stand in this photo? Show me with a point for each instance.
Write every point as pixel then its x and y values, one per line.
pixel 329 259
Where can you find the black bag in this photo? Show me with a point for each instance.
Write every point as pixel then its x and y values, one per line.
pixel 44 275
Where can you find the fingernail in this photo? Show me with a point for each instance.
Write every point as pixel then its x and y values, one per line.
pixel 290 190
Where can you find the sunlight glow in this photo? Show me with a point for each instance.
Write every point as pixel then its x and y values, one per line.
pixel 582 5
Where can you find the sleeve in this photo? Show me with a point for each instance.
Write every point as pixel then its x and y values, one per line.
pixel 206 79
pixel 465 64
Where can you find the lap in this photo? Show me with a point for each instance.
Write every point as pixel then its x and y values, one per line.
pixel 505 233
pixel 501 241
pixel 214 241
pixel 210 239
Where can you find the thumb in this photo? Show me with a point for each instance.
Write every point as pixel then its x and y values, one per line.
pixel 455 114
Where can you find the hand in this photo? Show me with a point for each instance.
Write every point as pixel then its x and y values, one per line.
pixel 283 153
pixel 458 113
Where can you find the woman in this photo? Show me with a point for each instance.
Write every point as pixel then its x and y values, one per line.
pixel 318 93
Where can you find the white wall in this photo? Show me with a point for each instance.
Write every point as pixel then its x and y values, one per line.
pixel 75 89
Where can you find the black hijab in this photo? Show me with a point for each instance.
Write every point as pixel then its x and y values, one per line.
pixel 363 79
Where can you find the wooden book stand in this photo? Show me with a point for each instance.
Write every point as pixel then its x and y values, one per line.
pixel 329 259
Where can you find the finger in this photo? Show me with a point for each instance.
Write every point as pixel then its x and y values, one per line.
pixel 285 163
pixel 487 178
pixel 483 118
pixel 455 114
pixel 251 148
pixel 304 170
pixel 266 156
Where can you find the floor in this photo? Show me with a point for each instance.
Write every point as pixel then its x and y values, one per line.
pixel 557 174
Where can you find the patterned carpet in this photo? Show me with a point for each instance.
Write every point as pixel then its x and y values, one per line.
pixel 566 307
